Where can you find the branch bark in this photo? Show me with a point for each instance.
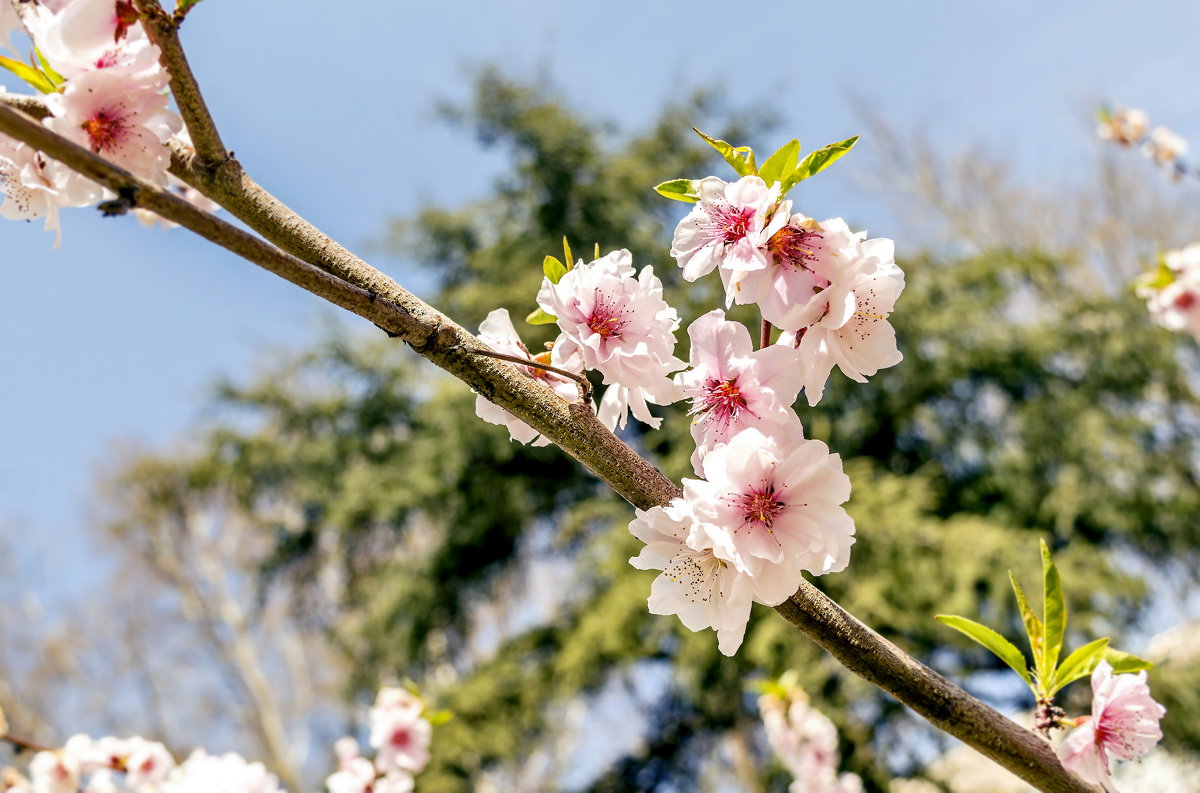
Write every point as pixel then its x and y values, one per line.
pixel 313 261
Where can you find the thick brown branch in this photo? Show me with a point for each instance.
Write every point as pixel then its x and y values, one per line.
pixel 164 32
pixel 332 272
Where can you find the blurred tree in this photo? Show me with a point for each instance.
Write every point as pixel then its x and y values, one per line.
pixel 423 544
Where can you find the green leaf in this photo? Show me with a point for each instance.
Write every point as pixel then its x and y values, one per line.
pixel 1104 115
pixel 741 158
pixel 780 163
pixel 686 190
pixel 55 78
pixel 1054 612
pixel 183 6
pixel 818 161
pixel 539 317
pixel 1005 650
pixel 1124 663
pixel 567 257
pixel 1160 276
pixel 597 251
pixel 1033 625
pixel 553 269
pixel 1080 663
pixel 29 74
pixel 437 718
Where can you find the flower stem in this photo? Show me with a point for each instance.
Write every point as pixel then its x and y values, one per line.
pixel 585 386
pixel 764 336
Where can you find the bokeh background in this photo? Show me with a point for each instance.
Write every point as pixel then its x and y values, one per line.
pixel 228 514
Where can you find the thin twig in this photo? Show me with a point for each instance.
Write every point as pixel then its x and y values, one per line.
pixel 164 31
pixel 764 335
pixel 585 385
pixel 26 745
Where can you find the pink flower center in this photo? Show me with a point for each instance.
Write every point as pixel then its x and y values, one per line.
pixel 761 506
pixel 728 224
pixel 1185 301
pixel 721 402
pixel 797 248
pixel 105 130
pixel 401 738
pixel 606 319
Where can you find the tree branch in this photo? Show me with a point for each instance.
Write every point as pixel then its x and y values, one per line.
pixel 349 282
pixel 163 31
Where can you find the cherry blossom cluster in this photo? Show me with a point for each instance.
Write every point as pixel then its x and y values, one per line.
pixel 1124 725
pixel 400 736
pixel 1172 290
pixel 766 505
pixel 806 743
pixel 1131 127
pixel 105 90
pixel 135 765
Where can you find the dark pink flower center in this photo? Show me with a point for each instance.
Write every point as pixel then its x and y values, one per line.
pixel 606 319
pixel 759 507
pixel 797 248
pixel 1185 301
pixel 721 402
pixel 105 130
pixel 401 738
pixel 728 224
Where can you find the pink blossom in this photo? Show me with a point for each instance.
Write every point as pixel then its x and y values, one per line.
pixel 355 775
pixel 1176 306
pixel 54 772
pixel 497 332
pixel 128 122
pixel 399 735
pixel 29 193
pixel 1125 126
pixel 728 227
pixel 1123 724
pixel 701 589
pixel 227 773
pixel 93 34
pixel 775 497
pixel 806 743
pixel 147 764
pixel 849 327
pixel 732 386
pixel 793 291
pixel 619 325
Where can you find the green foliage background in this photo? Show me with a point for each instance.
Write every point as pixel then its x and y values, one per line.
pixel 1030 404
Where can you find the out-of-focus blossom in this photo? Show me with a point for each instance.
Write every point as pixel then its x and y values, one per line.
pixel 227 773
pixel 1175 304
pixel 1165 147
pixel 399 735
pixel 806 742
pixel 1125 126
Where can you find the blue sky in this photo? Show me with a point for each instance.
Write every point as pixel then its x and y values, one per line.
pixel 115 338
